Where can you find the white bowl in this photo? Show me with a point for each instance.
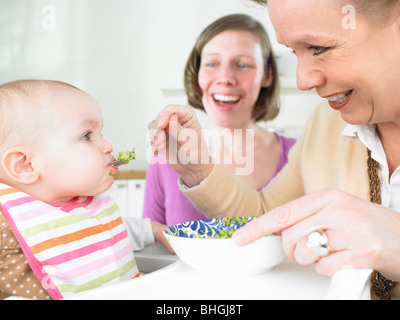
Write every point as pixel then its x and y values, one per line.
pixel 222 256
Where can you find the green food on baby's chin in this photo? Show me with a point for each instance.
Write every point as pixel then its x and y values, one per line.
pixel 126 156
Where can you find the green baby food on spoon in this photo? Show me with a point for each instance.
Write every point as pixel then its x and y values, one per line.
pixel 126 156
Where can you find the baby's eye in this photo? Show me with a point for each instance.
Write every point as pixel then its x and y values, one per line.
pixel 86 136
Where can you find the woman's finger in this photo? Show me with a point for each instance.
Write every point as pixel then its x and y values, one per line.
pixel 330 219
pixel 283 217
pixel 302 254
pixel 337 261
pixel 163 118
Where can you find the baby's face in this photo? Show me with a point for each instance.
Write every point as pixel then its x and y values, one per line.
pixel 73 158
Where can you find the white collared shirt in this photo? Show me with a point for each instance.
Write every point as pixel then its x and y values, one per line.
pixel 390 191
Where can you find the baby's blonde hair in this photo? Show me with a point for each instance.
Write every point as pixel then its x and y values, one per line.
pixel 21 106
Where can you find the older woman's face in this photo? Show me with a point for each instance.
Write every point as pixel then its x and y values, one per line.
pixel 355 67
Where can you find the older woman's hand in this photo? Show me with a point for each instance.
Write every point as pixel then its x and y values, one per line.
pixel 360 234
pixel 181 144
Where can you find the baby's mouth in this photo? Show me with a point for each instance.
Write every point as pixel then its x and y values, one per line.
pixel 113 169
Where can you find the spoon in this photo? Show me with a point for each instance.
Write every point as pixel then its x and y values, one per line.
pixel 119 163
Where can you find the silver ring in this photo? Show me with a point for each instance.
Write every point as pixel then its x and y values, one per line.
pixel 317 242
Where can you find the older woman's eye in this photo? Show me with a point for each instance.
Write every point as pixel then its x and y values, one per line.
pixel 316 50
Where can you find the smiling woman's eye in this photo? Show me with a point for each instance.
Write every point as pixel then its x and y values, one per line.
pixel 86 136
pixel 211 64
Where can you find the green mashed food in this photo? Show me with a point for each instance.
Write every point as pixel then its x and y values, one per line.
pixel 227 234
pixel 126 156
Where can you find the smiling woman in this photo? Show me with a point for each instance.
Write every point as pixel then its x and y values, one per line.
pixel 267 104
pixel 231 74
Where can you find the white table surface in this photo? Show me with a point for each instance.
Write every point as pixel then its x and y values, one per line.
pixel 181 282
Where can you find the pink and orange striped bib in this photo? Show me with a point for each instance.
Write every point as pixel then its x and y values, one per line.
pixel 73 246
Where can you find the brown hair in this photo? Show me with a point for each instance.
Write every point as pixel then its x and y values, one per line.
pixel 267 104
pixel 263 2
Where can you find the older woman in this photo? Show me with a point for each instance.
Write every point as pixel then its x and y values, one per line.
pixel 231 74
pixel 348 156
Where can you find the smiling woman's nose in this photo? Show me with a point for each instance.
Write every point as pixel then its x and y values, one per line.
pixel 226 76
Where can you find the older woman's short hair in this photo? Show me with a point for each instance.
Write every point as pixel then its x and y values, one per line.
pixel 379 13
pixel 267 104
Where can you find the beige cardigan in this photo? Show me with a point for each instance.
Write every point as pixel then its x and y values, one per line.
pixel 321 158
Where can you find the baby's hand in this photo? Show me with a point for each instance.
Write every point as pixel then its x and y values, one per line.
pixel 158 229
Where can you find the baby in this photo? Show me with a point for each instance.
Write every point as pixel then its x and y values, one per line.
pixel 59 232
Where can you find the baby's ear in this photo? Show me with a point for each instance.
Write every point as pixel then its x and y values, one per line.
pixel 17 164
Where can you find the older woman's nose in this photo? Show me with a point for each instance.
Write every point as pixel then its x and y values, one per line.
pixel 308 75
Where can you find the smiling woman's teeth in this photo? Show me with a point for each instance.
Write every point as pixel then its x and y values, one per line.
pixel 224 98
pixel 339 98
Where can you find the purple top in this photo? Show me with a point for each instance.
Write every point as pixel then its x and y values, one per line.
pixel 165 203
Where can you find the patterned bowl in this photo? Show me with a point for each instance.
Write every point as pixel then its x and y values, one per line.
pixel 203 245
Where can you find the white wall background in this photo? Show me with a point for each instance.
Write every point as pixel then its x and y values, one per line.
pixel 129 55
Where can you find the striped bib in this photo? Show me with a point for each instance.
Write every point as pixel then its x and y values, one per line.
pixel 72 246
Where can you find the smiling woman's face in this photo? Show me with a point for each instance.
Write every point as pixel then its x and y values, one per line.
pixel 356 69
pixel 231 75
